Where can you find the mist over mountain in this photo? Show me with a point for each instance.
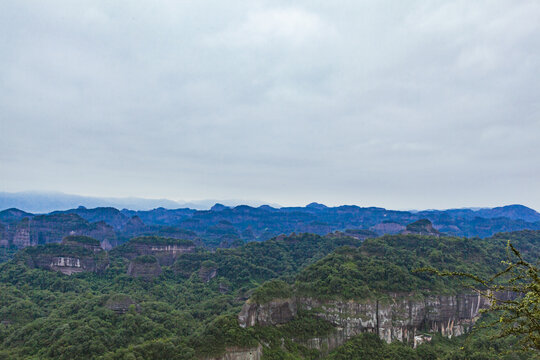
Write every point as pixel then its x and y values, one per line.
pixel 44 202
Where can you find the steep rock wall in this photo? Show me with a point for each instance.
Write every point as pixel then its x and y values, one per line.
pixel 166 254
pixel 69 264
pixel 398 317
pixel 46 229
pixel 278 311
pixel 235 353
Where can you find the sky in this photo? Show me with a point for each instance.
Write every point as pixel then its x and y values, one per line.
pixel 405 105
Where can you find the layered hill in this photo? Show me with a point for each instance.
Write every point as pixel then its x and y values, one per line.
pixel 225 227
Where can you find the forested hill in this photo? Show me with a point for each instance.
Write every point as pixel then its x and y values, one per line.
pixel 113 312
pixel 225 227
pixel 163 298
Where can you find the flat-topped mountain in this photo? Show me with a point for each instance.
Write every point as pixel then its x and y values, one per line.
pixel 44 229
pixel 165 250
pixel 421 227
pixel 74 254
pixel 86 242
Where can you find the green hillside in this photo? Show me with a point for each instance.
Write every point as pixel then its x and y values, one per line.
pixel 111 315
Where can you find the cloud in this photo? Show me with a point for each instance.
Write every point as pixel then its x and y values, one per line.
pixel 405 105
pixel 263 27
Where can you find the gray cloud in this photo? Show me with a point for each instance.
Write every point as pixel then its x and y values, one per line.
pixel 399 104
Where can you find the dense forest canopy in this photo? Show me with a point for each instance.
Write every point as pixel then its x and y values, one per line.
pixel 184 313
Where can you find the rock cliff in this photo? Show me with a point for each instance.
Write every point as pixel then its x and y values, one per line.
pixel 166 250
pixel 44 229
pixel 236 353
pixel 275 312
pixel 421 227
pixel 67 258
pixel 396 317
pixel 208 271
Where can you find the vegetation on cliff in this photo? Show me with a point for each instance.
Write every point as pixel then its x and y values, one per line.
pixel 270 290
pixel 516 316
pixel 387 264
pixel 158 240
pixel 481 345
pixel 48 315
pixel 81 239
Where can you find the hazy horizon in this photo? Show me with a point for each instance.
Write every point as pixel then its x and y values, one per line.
pixel 51 201
pixel 402 105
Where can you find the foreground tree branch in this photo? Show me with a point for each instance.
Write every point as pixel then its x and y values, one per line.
pixel 519 314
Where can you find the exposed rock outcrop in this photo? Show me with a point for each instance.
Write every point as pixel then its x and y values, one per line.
pixel 67 258
pixel 83 241
pixel 44 229
pixel 166 250
pixel 236 353
pixel 386 227
pixel 421 227
pixel 275 312
pixel 208 271
pixel 398 317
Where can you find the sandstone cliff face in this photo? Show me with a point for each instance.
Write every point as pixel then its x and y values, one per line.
pixel 44 229
pixel 387 228
pixel 69 263
pixel 166 254
pixel 207 273
pixel 421 227
pixel 235 353
pixel 21 238
pixel 399 317
pixel 278 311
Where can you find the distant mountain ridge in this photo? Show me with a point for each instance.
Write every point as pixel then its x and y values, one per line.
pixel 224 227
pixel 45 202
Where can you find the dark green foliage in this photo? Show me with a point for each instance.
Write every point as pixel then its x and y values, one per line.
pixel 157 240
pixel 306 326
pixel 518 316
pixel 479 346
pixel 80 239
pixel 273 289
pixel 419 225
pixel 145 259
pixel 52 315
pixel 48 315
pixel 361 232
pixel 387 264
pixel 55 249
pixel 365 346
pixel 7 253
pixel 223 332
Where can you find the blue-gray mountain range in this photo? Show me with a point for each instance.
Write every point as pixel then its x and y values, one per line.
pixel 224 226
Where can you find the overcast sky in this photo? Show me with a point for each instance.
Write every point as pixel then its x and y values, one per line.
pixel 401 104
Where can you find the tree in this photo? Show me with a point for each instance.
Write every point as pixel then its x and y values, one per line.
pixel 519 313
